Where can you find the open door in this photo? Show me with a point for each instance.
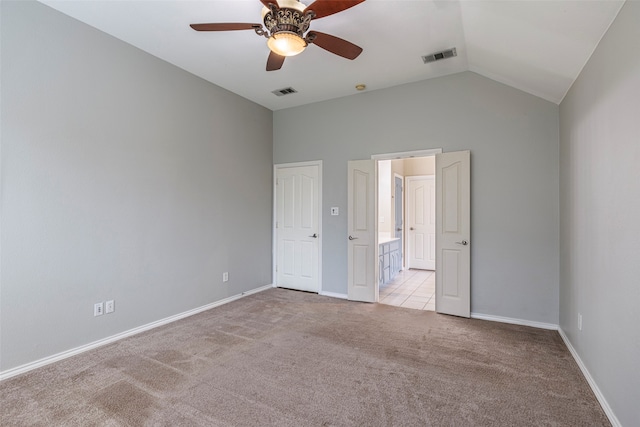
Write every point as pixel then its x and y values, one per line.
pixel 453 232
pixel 362 211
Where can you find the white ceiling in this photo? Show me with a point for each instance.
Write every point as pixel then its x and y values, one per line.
pixel 538 46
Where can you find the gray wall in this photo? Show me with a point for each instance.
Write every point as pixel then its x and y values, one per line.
pixel 600 215
pixel 513 138
pixel 123 177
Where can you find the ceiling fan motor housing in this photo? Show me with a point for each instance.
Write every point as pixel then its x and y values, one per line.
pixel 290 17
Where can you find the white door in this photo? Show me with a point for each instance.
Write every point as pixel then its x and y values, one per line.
pixel 421 219
pixel 361 237
pixel 297 228
pixel 453 232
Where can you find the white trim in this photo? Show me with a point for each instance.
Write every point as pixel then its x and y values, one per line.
pixel 376 234
pixel 334 295
pixel 587 375
pixel 274 218
pixel 403 266
pixel 513 321
pixel 407 154
pixel 274 245
pixel 298 164
pixel 75 351
pixel 592 383
pixel 247 293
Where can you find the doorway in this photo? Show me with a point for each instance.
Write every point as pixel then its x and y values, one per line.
pixel 453 229
pixel 406 223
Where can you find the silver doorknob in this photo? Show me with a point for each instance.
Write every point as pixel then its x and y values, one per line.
pixel 315 235
pixel 352 238
pixel 463 243
pixel 410 228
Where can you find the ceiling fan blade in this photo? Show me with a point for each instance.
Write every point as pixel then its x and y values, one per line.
pixel 274 62
pixel 324 8
pixel 224 26
pixel 335 45
pixel 266 3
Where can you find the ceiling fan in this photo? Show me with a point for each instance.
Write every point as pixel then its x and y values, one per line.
pixel 285 25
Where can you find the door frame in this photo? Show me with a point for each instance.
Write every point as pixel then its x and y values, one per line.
pixel 396 156
pixel 407 154
pixel 404 235
pixel 274 243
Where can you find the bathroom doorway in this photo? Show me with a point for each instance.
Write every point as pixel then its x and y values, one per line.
pixel 406 232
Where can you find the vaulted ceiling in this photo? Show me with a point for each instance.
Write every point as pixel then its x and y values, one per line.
pixel 537 46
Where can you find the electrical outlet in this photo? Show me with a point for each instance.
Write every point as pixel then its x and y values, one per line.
pixel 225 276
pixel 98 309
pixel 109 306
pixel 579 321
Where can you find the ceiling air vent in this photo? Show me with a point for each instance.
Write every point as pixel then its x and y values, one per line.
pixel 285 91
pixel 449 53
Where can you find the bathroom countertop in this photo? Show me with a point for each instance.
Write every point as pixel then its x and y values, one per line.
pixel 386 239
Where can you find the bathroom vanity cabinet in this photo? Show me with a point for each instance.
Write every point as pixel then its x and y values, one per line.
pixel 390 262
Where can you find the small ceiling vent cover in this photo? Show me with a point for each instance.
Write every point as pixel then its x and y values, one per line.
pixel 285 91
pixel 449 53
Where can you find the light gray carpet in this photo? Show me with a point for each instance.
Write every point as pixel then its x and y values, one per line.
pixel 286 358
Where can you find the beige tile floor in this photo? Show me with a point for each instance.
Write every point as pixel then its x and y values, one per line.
pixel 411 289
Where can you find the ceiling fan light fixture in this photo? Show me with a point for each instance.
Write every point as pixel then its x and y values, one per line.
pixel 286 43
pixel 284 25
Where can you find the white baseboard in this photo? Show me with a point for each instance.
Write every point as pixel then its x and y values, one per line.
pixel 592 383
pixel 333 295
pixel 513 321
pixel 75 351
pixel 254 291
pixel 603 402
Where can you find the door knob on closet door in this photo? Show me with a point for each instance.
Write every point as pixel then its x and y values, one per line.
pixel 315 235
pixel 352 238
pixel 463 243
pixel 410 228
